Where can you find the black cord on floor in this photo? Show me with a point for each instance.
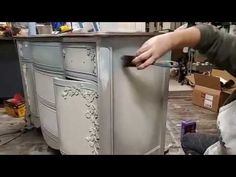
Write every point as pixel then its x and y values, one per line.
pixel 12 139
pixel 20 132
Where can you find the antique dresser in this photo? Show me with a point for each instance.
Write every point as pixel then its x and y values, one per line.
pixel 88 103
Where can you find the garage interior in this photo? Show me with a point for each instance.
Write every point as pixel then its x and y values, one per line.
pixel 19 136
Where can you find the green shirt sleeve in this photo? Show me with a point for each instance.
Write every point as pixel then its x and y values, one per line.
pixel 219 47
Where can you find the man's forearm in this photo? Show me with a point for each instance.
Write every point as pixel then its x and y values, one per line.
pixel 219 47
pixel 189 37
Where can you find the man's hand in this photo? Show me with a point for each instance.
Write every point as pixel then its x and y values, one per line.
pixel 159 45
pixel 152 50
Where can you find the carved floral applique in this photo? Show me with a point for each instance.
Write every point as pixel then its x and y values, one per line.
pixel 91 113
pixel 91 52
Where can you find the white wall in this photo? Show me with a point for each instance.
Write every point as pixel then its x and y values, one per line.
pixel 122 26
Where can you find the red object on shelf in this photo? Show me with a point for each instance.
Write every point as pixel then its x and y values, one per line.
pixel 15 106
pixel 18 97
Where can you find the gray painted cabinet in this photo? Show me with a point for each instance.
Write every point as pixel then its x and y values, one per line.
pixel 89 104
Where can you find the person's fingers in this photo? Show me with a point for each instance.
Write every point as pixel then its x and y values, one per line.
pixel 142 49
pixel 143 56
pixel 138 64
pixel 148 62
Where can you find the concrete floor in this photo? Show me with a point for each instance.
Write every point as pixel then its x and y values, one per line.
pixel 180 107
pixel 174 86
pixel 14 140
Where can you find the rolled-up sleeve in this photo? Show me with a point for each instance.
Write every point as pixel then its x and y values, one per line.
pixel 219 47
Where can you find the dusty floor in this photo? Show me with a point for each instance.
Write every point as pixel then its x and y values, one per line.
pixel 15 141
pixel 180 107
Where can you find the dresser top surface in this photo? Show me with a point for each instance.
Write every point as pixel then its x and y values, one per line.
pixel 58 37
pixel 6 38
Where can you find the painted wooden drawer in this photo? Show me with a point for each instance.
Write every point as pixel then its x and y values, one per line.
pixel 77 116
pixel 48 56
pixel 80 61
pixel 46 102
pixel 48 121
pixel 44 85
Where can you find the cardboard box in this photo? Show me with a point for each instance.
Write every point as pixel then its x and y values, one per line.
pixel 208 92
pixel 15 109
pixel 223 74
pixel 44 29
